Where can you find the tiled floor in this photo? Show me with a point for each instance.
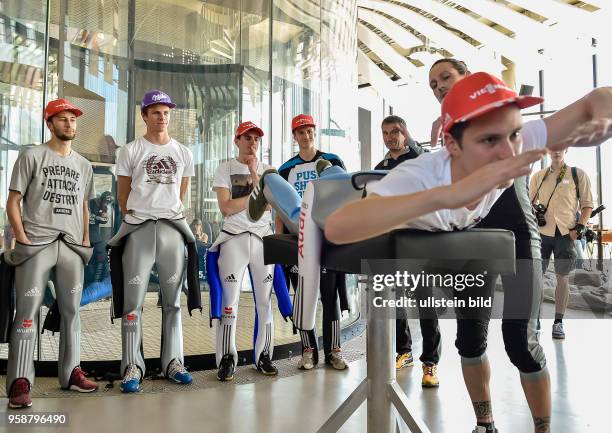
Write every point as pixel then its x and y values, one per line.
pixel 101 340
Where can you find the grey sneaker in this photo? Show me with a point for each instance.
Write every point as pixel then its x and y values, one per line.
pixel 335 360
pixel 257 200
pixel 322 165
pixel 307 361
pixel 557 331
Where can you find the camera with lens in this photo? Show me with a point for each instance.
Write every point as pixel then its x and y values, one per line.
pixel 589 235
pixel 540 214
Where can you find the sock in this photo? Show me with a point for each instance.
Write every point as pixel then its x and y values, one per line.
pixel 490 426
pixel 558 317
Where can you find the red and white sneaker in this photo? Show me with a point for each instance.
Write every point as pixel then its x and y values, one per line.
pixel 78 382
pixel 19 397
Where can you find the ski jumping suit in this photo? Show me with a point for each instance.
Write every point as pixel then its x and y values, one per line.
pixel 286 200
pixel 133 252
pixel 54 189
pixel 154 232
pixel 299 173
pixel 238 247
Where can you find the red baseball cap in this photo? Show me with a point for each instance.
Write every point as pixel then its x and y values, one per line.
pixel 478 94
pixel 247 126
pixel 302 120
pixel 59 105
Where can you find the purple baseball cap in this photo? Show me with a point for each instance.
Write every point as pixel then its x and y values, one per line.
pixel 153 97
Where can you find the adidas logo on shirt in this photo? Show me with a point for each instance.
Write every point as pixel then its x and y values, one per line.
pixel 172 279
pixel 34 291
pixel 135 280
pixel 230 279
pixel 268 279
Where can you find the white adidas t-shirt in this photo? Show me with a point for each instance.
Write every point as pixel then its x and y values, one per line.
pixel 432 170
pixel 156 172
pixel 236 177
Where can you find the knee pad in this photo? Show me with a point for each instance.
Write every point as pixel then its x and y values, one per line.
pixel 471 337
pixel 522 346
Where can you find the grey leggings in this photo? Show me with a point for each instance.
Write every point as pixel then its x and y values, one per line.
pixel 31 279
pixel 161 244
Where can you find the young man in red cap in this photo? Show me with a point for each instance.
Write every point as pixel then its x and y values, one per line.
pixel 47 208
pixel 152 180
pixel 455 189
pixel 240 246
pixel 299 171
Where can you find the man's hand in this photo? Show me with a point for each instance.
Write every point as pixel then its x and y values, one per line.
pixel 405 133
pixel 86 242
pixel 590 133
pixel 251 162
pixel 23 238
pixel 573 234
pixel 436 132
pixel 472 188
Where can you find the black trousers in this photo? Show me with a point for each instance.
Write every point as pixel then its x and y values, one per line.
pixel 430 330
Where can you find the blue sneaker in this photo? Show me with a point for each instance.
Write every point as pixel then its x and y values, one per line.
pixel 178 373
pixel 131 379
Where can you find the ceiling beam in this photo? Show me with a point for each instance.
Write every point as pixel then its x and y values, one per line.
pixel 401 65
pixel 401 35
pixel 477 59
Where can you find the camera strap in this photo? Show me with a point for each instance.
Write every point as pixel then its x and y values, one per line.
pixel 559 179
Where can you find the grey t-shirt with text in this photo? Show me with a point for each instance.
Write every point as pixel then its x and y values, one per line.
pixel 54 188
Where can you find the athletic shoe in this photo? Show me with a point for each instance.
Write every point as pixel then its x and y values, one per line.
pixel 19 397
pixel 335 360
pixel 257 200
pixel 481 429
pixel 78 382
pixel 404 360
pixel 307 361
pixel 265 366
pixel 178 373
pixel 557 331
pixel 226 368
pixel 131 379
pixel 430 376
pixel 322 165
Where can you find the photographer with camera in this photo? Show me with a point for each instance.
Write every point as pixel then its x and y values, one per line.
pixel 557 193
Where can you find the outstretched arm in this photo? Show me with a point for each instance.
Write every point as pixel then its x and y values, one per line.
pixel 586 122
pixel 363 219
